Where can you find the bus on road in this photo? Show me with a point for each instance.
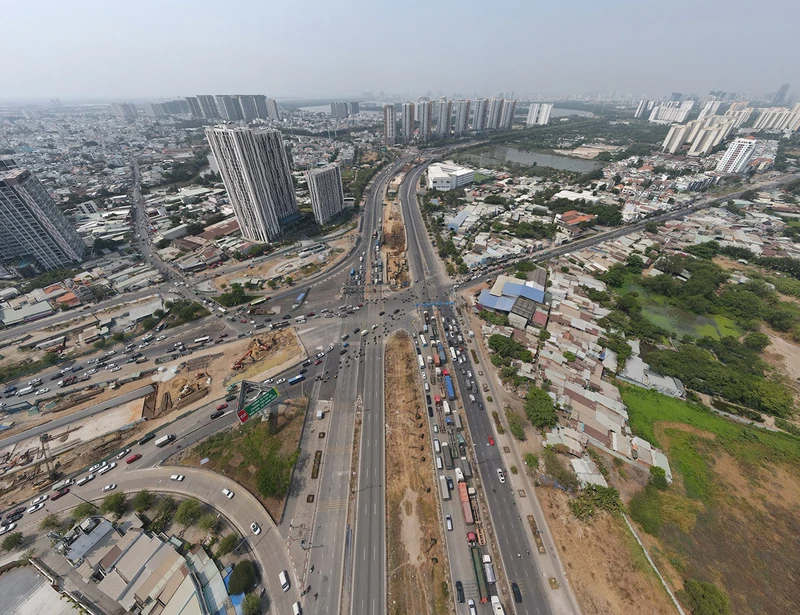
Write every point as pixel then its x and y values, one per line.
pixel 202 340
pixel 296 379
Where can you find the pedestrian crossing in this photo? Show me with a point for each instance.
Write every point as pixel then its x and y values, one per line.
pixel 332 505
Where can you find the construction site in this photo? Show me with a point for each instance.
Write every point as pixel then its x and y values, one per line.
pixel 99 420
pixel 393 246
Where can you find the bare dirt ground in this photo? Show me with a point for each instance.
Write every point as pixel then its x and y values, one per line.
pixel 394 246
pixel 270 352
pixel 297 268
pixel 417 565
pixel 606 567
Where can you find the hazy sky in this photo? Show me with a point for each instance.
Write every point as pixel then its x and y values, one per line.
pixel 91 49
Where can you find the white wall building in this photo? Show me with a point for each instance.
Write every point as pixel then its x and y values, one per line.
pixel 425 119
pixel 255 169
pixel 736 157
pixel 389 124
pixel 408 121
pixel 509 111
pixel 462 116
pixel 327 195
pixel 444 116
pixel 447 175
pixel 480 116
pixel 669 112
pixel 494 114
pixel 778 119
pixel 539 114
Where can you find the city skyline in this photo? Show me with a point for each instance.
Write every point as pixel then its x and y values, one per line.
pixel 139 60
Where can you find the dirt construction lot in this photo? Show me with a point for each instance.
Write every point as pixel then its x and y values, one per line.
pixel 417 566
pixel 394 245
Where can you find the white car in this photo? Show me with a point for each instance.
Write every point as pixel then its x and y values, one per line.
pixel 161 338
pixel 116 368
pixel 122 454
pixel 253 526
pixel 97 466
pixel 177 477
pixel 281 381
pixel 84 480
pixel 111 366
pixel 92 371
pixel 501 476
pixel 38 506
pixel 66 370
pixel 107 468
pixel 320 355
pixel 42 391
pixel 39 500
pixel 268 381
pixel 111 353
pixel 227 493
pixel 110 487
pixel 143 345
pixel 5 529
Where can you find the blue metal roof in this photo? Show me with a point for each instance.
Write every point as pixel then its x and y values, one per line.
pixel 501 304
pixel 510 289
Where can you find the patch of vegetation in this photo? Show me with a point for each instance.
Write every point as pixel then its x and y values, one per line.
pixel 557 470
pixel 494 318
pixel 704 598
pixel 184 311
pixel 539 408
pixel 227 544
pixel 114 504
pixel 188 512
pixel 83 510
pixel 532 461
pixel 142 501
pixel 507 349
pixel 254 446
pixel 594 499
pixel 236 295
pixel 12 541
pixel 516 424
pixel 13 371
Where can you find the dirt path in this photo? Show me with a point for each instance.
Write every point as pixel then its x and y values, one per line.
pixel 417 562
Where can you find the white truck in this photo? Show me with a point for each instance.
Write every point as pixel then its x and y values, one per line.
pixel 24 391
pixel 497 606
pixel 488 569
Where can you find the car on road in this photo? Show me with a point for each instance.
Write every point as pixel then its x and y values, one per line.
pixel 5 529
pixel 471 605
pixel 110 487
pixel 177 477
pixel 397 311
pixel 480 405
pixel 97 466
pixel 84 480
pixel 303 371
pixel 256 529
pixel 460 591
pixel 222 406
pixel 243 320
pixel 516 592
pixel 227 493
pixel 16 516
pixel 231 398
pixel 116 368
pixel 217 414
pixel 448 521
pixel 38 506
pixel 161 338
pixel 121 454
pixel 450 484
pixel 55 376
pixel 345 337
pixel 132 458
pixel 501 476
pixel 146 438
pixel 267 381
pixel 39 500
pixel 107 468
pixel 491 441
pixel 280 381
pixel 60 493
pixel 42 391
pixel 356 330
pixel 381 313
pixel 66 370
pixel 428 399
pixel 286 317
pixel 318 361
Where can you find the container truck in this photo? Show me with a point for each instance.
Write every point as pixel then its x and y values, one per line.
pixel 440 348
pixel 448 383
pixel 446 407
pixel 448 458
pixel 436 360
pixel 164 440
pixel 444 488
pixel 67 381
pixel 459 475
pixel 421 361
pixel 457 420
pixel 466 468
pixel 477 568
pixel 26 390
pixel 430 361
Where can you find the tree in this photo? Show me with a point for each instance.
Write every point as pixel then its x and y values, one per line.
pixel 658 478
pixel 83 510
pixel 539 408
pixel 756 341
pixel 704 598
pixel 12 541
pixel 243 578
pixel 114 504
pixel 651 227
pixel 289 280
pixel 208 522
pixel 142 501
pixel 188 512
pixel 227 544
pixel 251 605
pixel 532 461
pixel 50 522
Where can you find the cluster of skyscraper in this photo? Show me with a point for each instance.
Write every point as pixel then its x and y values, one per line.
pixel 664 112
pixel 32 229
pixel 342 110
pixel 444 118
pixel 255 169
pixel 539 114
pixel 204 106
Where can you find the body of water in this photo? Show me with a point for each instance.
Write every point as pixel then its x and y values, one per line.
pixel 512 154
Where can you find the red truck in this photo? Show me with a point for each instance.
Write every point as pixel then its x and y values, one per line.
pixel 67 381
pixel 462 492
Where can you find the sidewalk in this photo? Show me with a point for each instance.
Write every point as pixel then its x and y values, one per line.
pixel 562 600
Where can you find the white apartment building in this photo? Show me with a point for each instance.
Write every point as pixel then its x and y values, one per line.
pixel 710 108
pixel 702 135
pixel 494 113
pixel 389 124
pixel 407 121
pixel 272 110
pixel 124 110
pixel 229 107
pixel 425 119
pixel 255 169
pixel 208 105
pixel 539 114
pixel 444 117
pixel 669 112
pixel 479 118
pixel 778 119
pixel 462 116
pixel 447 175
pixel 736 157
pixel 327 195
pixel 509 111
